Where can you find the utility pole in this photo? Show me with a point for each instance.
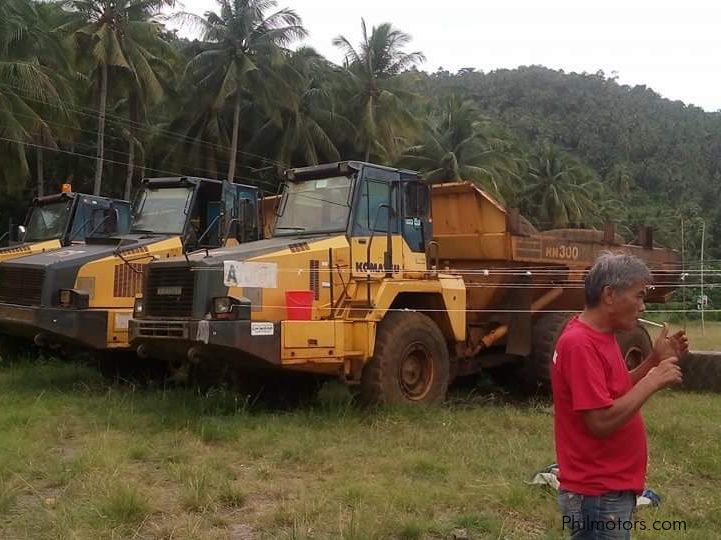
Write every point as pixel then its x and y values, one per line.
pixel 703 237
pixel 683 273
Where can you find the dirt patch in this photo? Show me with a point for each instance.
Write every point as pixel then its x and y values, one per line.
pixel 240 531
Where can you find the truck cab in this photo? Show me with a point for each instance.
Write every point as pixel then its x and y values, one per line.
pixel 350 240
pixel 202 213
pixel 67 218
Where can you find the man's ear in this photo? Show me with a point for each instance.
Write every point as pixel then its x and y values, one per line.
pixel 607 296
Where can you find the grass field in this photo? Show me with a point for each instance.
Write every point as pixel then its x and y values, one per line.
pixel 81 458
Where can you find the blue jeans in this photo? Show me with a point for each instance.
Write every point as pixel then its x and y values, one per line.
pixel 600 517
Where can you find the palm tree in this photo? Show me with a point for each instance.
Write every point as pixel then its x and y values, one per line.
pixel 459 144
pixel 119 40
pixel 619 179
pixel 32 91
pixel 377 101
pixel 559 189
pixel 194 140
pixel 309 131
pixel 242 58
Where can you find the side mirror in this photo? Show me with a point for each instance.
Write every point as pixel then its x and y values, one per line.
pixel 139 203
pixel 245 220
pixel 20 233
pixel 113 219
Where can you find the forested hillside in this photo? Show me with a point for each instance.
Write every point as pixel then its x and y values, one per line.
pixel 660 158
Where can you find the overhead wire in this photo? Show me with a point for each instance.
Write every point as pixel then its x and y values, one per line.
pixel 107 160
pixel 144 127
pixel 77 154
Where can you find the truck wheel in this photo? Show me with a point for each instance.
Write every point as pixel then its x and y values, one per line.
pixel 536 370
pixel 410 362
pixel 635 345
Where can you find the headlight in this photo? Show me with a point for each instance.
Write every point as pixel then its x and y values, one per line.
pixel 229 308
pixel 221 305
pixel 73 298
pixel 65 298
pixel 138 308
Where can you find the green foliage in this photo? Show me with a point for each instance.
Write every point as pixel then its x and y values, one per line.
pixel 244 59
pixel 31 79
pixel 657 159
pixel 377 102
pixel 559 189
pixel 458 143
pixel 120 46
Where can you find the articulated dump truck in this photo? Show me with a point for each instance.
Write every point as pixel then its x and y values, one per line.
pixel 64 219
pixel 82 296
pixel 363 281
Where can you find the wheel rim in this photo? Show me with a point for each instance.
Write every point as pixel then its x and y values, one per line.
pixel 634 356
pixel 415 372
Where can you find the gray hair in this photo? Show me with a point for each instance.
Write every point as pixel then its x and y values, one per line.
pixel 616 270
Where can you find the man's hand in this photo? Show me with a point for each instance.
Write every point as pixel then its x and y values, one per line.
pixel 667 346
pixel 667 373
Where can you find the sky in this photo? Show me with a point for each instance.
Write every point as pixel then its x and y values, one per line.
pixel 672 47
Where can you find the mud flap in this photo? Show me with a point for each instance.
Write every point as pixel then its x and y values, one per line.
pixel 519 337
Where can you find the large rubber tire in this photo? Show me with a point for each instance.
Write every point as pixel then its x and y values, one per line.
pixel 535 374
pixel 635 345
pixel 701 371
pixel 410 362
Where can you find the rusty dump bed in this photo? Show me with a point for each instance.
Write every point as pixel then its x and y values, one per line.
pixel 493 247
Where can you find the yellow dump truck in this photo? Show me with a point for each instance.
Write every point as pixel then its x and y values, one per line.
pixel 362 281
pixel 64 219
pixel 83 295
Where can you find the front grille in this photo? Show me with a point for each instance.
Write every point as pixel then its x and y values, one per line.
pixel 161 330
pixel 127 280
pixel 169 291
pixel 21 286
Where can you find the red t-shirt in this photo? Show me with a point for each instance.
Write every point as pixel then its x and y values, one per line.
pixel 588 372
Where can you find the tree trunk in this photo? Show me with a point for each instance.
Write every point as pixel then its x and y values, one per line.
pixel 368 142
pixel 39 178
pixel 234 145
pixel 101 129
pixel 131 167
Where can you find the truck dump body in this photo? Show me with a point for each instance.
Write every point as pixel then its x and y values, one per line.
pixel 512 271
pixel 475 233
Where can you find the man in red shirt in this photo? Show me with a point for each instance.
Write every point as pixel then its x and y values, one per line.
pixel 600 437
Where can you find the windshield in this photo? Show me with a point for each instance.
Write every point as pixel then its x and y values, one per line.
pixel 315 206
pixel 48 221
pixel 99 218
pixel 161 211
